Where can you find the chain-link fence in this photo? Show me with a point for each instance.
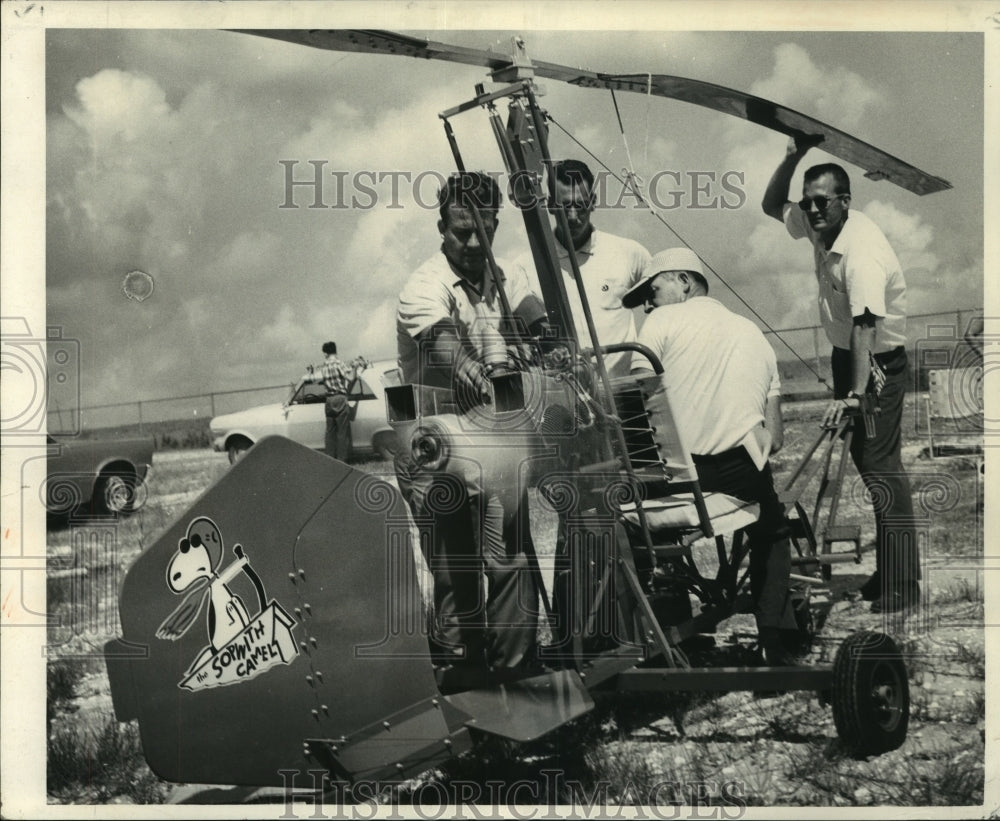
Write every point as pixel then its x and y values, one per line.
pixel 934 341
pixel 145 413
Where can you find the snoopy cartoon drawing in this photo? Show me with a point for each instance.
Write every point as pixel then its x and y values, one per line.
pixel 195 568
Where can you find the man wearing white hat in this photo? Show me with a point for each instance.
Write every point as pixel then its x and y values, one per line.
pixel 721 377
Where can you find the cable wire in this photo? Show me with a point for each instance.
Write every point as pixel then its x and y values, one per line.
pixel 630 182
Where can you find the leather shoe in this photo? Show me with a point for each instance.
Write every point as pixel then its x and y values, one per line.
pixel 896 601
pixel 871 589
pixel 777 647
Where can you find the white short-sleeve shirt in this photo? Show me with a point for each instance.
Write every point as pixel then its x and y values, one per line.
pixel 609 265
pixel 860 271
pixel 718 370
pixel 435 292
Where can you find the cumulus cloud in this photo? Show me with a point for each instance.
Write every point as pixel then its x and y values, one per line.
pixel 115 103
pixel 909 236
pixel 286 332
pixel 373 341
pixel 250 253
pixel 824 91
pixel 831 94
pixel 163 154
pixel 772 271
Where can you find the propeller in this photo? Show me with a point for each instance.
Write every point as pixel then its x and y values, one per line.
pixel 877 164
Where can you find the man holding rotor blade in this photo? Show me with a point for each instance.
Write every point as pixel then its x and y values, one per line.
pixel 862 302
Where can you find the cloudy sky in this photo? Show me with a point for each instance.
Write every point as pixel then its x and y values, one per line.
pixel 164 154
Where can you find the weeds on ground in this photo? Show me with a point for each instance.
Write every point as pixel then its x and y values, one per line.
pixel 61 682
pixel 972 657
pixel 58 591
pixel 960 589
pixel 791 722
pixel 929 777
pixel 626 768
pixel 107 764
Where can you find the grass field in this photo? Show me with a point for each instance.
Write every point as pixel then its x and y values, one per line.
pixel 771 751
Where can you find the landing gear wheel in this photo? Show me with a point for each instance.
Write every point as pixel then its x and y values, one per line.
pixel 871 694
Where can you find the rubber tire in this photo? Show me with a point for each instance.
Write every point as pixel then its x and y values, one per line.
pixel 237 448
pixel 870 723
pixel 115 494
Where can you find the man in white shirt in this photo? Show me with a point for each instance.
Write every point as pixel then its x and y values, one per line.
pixel 609 264
pixel 721 377
pixel 448 326
pixel 862 301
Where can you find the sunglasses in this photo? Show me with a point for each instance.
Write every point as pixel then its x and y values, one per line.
pixel 821 203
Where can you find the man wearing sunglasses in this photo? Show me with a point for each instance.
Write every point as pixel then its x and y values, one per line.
pixel 862 302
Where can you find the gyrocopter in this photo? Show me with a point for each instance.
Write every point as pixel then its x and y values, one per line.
pixel 277 626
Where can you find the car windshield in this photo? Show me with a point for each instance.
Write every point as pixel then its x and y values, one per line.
pixel 361 390
pixel 308 393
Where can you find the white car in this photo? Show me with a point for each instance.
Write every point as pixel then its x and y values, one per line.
pixel 303 418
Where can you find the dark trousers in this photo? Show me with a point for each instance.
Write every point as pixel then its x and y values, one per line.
pixel 338 427
pixel 733 472
pixel 466 538
pixel 881 468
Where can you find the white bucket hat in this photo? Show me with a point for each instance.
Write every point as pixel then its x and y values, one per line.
pixel 673 259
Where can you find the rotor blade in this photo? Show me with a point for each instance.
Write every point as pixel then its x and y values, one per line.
pixel 371 41
pixel 877 164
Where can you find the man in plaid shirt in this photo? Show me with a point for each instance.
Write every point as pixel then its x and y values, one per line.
pixel 337 378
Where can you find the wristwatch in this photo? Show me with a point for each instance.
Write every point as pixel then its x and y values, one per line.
pixel 853 395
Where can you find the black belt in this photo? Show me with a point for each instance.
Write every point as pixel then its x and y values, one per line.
pixel 885 356
pixel 727 455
